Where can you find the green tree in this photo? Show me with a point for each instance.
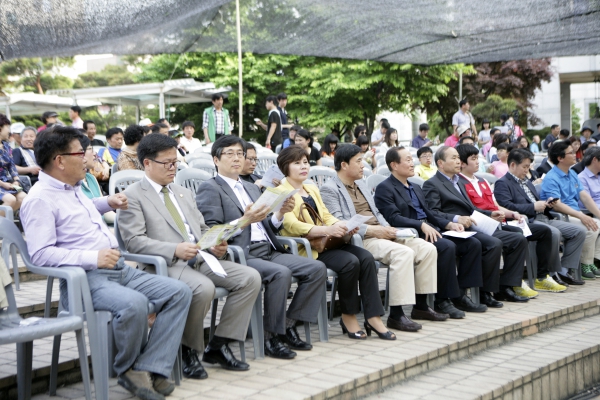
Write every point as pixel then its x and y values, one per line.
pixel 575 118
pixel 111 75
pixel 38 74
pixel 493 107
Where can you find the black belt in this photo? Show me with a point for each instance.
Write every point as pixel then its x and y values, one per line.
pixel 259 241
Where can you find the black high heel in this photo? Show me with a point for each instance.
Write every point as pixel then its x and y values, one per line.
pixel 360 335
pixel 385 336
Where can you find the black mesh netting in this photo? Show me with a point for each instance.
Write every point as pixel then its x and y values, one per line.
pixel 417 31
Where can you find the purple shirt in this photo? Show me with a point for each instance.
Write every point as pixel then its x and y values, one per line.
pixel 63 227
pixel 419 142
pixel 591 184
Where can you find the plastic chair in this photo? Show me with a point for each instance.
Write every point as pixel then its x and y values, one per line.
pixel 191 178
pixel 114 169
pixel 415 180
pixel 204 165
pixel 11 250
pixel 278 149
pixel 367 166
pixel 487 176
pixel 367 173
pixel 374 180
pixel 198 154
pixel 119 181
pixel 326 162
pixel 11 330
pixel 320 175
pixel 264 162
pixel 383 170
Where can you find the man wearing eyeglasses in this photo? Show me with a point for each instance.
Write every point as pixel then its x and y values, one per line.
pixel 65 228
pixel 228 199
pixel 163 220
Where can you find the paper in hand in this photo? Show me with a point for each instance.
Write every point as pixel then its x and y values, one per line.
pixel 217 234
pixel 405 234
pixel 484 223
pixel 462 235
pixel 213 263
pixel 274 198
pixel 272 173
pixel 522 223
pixel 356 221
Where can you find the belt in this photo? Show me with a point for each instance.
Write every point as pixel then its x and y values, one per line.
pixel 259 241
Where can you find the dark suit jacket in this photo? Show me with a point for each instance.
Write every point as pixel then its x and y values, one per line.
pixel 544 167
pixel 393 201
pixel 579 167
pixel 509 194
pixel 219 205
pixel 250 178
pixel 445 202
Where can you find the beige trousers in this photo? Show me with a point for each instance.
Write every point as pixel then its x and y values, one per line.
pixel 413 267
pixel 591 245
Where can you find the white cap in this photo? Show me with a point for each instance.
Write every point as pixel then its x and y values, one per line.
pixel 462 129
pixel 17 127
pixel 145 122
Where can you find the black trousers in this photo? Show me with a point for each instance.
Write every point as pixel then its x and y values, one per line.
pixel 510 243
pixel 356 269
pixel 541 234
pixel 468 267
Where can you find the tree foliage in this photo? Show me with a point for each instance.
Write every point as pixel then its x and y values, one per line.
pixel 492 108
pixel 37 74
pixel 111 75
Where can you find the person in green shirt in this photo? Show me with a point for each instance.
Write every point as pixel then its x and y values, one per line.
pixel 215 121
pixel 89 185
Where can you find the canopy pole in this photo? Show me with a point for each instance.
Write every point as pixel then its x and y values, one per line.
pixel 239 47
pixel 161 105
pixel 460 85
pixel 137 114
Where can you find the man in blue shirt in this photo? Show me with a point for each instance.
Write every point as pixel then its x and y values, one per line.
pixel 552 136
pixel 421 140
pixel 563 184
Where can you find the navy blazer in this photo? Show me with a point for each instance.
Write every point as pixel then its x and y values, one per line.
pixel 394 203
pixel 509 194
pixel 219 205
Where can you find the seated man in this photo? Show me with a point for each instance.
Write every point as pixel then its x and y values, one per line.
pixel 589 176
pixel 225 199
pixel 447 197
pixel 163 220
pixel 425 170
pixel 481 195
pixel 562 183
pixel 403 204
pixel 249 166
pixel 412 262
pixel 515 192
pixel 64 227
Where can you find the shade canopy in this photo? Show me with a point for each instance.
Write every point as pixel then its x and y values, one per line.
pixel 420 32
pixel 33 103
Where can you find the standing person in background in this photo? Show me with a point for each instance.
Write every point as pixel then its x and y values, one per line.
pixel 426 169
pixel 110 153
pixel 552 136
pixel 378 136
pixel 534 147
pixel 90 130
pixel 330 144
pixel 285 126
pixel 74 113
pixel 215 121
pixel 421 140
pixel 484 134
pixel 24 157
pixel 464 117
pixel 273 126
pixel 189 142
pixel 290 140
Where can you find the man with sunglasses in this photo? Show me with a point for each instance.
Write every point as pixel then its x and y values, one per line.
pixel 163 220
pixel 64 227
pixel 227 199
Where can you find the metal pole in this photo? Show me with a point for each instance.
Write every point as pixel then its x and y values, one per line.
pixel 460 86
pixel 161 105
pixel 137 114
pixel 239 46
pixel 8 107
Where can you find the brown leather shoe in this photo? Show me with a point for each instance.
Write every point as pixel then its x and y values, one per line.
pixel 429 315
pixel 405 324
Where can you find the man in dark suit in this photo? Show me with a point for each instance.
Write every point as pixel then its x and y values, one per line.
pixel 226 199
pixel 447 198
pixel 249 166
pixel 403 204
pixel 515 192
pixel 544 167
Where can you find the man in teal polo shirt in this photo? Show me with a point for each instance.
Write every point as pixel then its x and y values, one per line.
pixel 215 121
pixel 562 183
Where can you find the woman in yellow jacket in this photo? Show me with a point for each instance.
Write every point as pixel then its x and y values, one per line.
pixel 355 266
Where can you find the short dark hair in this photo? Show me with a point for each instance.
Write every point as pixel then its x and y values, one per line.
pixel 146 129
pixel 306 135
pixel 493 131
pixel 151 145
pixel 281 96
pixel 46 115
pixel 517 156
pixel 423 127
pixel 331 138
pixel 216 96
pixel 462 102
pixel 289 155
pixel 77 109
pixel 503 146
pixel 86 123
pixel 554 126
pixel 363 139
pixel 85 141
pixel 345 154
pixel 359 129
pixel 501 138
pixel 598 126
pixel 440 154
pixel 423 150
pixel 558 150
pixel 590 155
pixel 188 123
pixel 464 138
pixel 161 121
pixel 564 132
pixel 485 121
pixel 465 151
pixel 224 142
pixel 51 142
pixel 158 126
pixel 113 131
pixel 248 146
pixel 271 99
pixel 393 156
pixel 133 134
pixel 503 118
pixel 295 128
pixel 4 120
pixel 385 124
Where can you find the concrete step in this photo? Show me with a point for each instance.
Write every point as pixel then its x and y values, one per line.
pixel 555 364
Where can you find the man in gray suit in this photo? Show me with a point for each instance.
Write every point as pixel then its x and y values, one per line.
pixel 413 263
pixel 226 198
pixel 163 220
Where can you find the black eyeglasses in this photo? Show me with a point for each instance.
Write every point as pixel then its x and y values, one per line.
pixel 80 154
pixel 167 164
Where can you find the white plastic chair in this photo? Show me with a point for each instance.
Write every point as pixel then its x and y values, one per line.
pixel 487 176
pixel 383 170
pixel 326 162
pixel 198 154
pixel 415 180
pixel 120 180
pixel 320 175
pixel 191 178
pixel 264 162
pixel 204 165
pixel 374 180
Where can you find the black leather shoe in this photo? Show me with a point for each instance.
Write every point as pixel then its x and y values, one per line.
pixel 464 303
pixel 225 358
pixel 405 324
pixel 290 295
pixel 507 294
pixel 559 281
pixel 293 341
pixel 570 279
pixel 446 307
pixel 428 315
pixel 192 368
pixel 490 301
pixel 276 349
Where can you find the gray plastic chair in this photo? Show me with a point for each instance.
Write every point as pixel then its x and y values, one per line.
pixel 367 173
pixel 320 175
pixel 374 180
pixel 383 170
pixel 327 162
pixel 265 160
pixel 204 165
pixel 114 169
pixel 11 250
pixel 11 330
pixel 119 181
pixel 415 180
pixel 191 178
pixel 487 176
pixel 278 149
pixel 198 154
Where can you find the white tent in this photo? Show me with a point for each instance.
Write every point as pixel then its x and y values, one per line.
pixel 33 103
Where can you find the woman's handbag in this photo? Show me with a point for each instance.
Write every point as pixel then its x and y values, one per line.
pixel 323 243
pixel 101 170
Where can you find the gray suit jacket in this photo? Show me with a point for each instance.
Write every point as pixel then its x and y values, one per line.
pixel 340 205
pixel 148 228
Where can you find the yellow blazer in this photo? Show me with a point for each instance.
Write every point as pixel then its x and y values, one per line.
pixel 292 226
